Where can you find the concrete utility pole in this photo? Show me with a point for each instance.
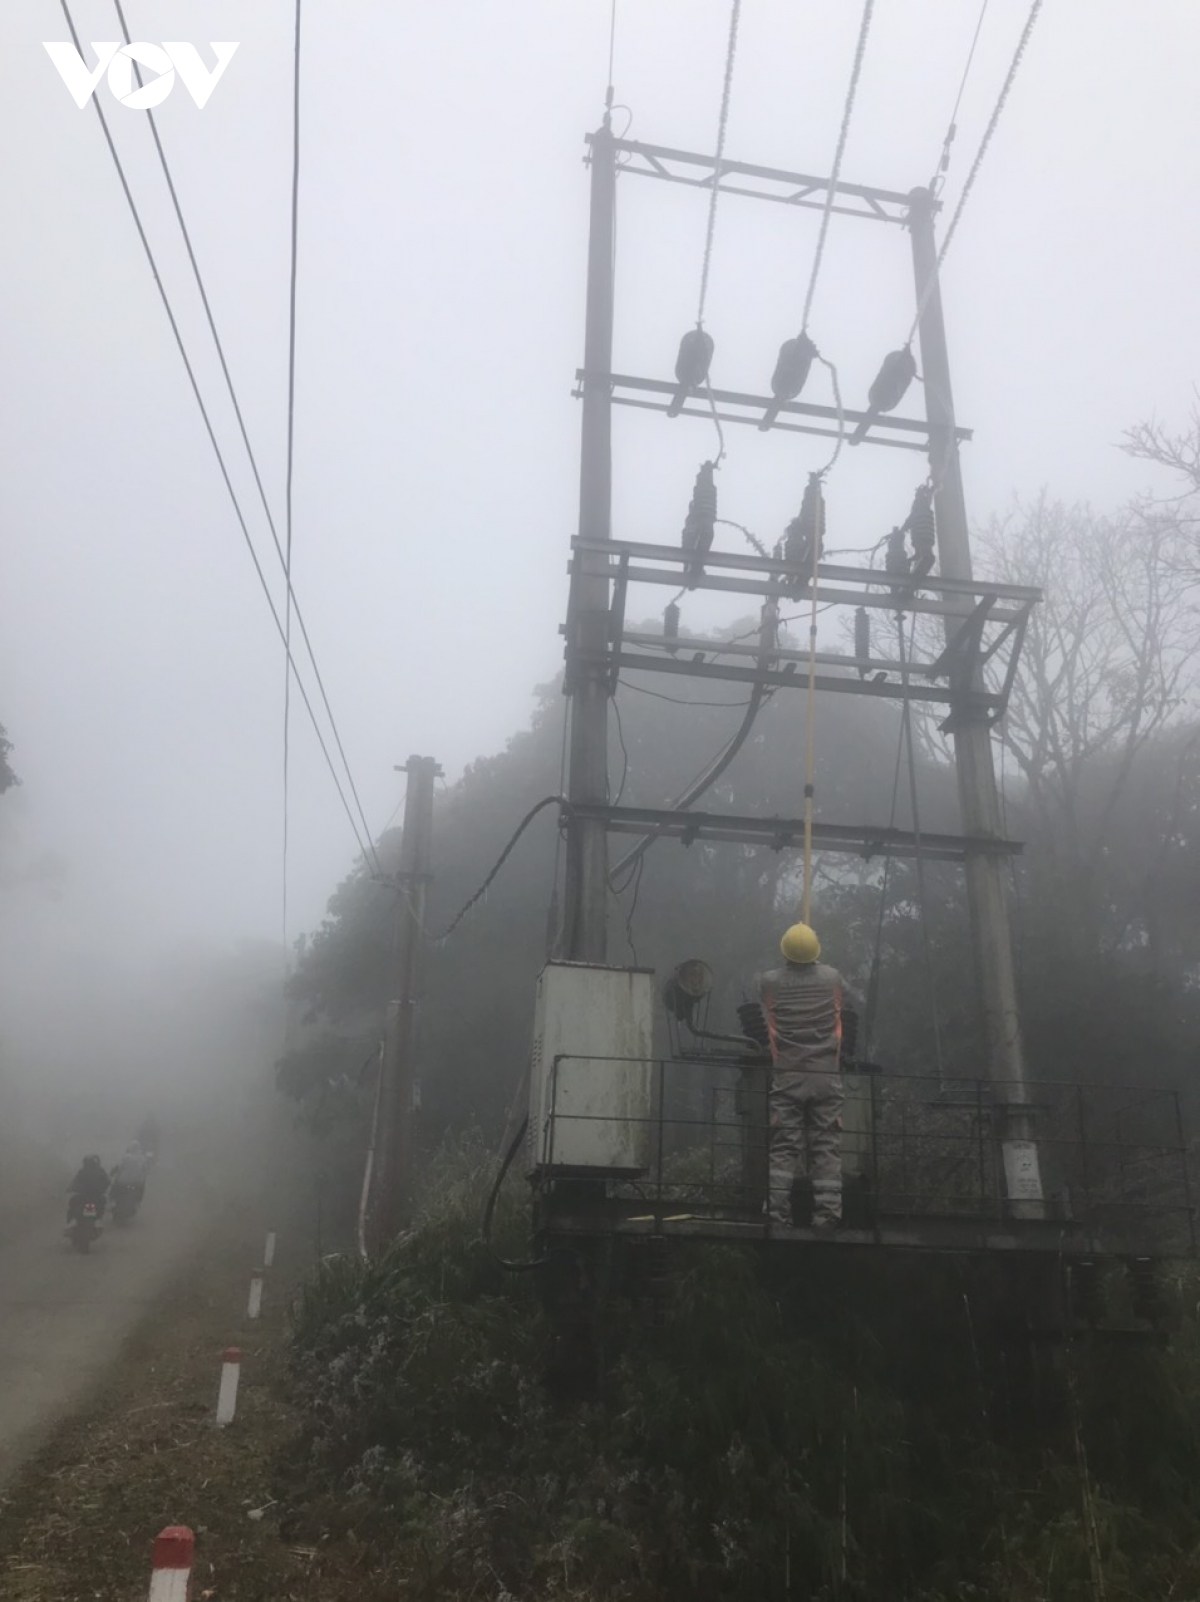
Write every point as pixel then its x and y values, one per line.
pixel 586 900
pixel 978 796
pixel 394 1133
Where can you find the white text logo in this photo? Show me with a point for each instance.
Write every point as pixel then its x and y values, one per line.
pixel 166 60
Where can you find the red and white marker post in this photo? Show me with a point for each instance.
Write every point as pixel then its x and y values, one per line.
pixel 171 1574
pixel 231 1372
pixel 254 1306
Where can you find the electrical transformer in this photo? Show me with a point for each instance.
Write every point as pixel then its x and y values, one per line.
pixel 591 1081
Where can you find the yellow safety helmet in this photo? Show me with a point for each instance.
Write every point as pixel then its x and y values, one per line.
pixel 800 944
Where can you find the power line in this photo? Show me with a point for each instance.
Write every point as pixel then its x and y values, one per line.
pixel 994 119
pixel 681 700
pixel 722 123
pixel 952 125
pixel 237 409
pixel 864 28
pixel 624 752
pixel 150 257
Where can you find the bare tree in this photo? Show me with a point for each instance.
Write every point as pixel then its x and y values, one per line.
pixel 1104 668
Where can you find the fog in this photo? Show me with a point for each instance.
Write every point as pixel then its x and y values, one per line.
pixel 442 248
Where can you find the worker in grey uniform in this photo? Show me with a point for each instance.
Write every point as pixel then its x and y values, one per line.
pixel 803 1005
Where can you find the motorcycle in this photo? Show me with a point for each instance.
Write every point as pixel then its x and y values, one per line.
pixel 85 1227
pixel 125 1202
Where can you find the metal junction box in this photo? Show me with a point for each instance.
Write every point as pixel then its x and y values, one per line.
pixel 592 1074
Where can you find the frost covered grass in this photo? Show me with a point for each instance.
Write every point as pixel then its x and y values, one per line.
pixel 846 1435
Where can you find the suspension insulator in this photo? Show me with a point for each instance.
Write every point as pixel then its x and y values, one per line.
pixel 892 380
pixel 671 625
pixel 922 530
pixel 796 357
pixel 691 366
pixel 895 560
pixel 805 535
pixel 700 524
pixel 862 640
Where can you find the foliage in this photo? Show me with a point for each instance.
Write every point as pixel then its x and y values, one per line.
pixel 7 777
pixel 853 1434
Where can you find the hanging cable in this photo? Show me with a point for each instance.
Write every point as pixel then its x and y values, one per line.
pixel 759 695
pixel 935 183
pixel 241 422
pixel 624 752
pixel 860 48
pixel 224 470
pixel 291 461
pixel 1006 87
pixel 546 801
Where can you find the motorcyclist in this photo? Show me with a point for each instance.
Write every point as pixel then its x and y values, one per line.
pixel 130 1173
pixel 89 1185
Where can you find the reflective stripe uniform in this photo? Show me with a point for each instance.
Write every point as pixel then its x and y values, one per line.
pixel 803 1007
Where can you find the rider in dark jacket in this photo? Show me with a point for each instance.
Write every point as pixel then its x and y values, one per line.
pixel 89 1185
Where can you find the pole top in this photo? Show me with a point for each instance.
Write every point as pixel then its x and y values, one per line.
pixel 231 1355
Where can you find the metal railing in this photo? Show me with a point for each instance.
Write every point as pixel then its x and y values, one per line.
pixel 916 1150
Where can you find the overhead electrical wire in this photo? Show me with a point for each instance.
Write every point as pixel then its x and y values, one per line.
pixel 860 48
pixel 993 121
pixel 938 178
pixel 237 409
pixel 722 125
pixel 150 257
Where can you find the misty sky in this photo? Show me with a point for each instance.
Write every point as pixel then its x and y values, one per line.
pixel 443 218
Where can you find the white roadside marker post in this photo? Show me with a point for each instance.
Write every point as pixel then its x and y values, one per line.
pixel 171 1565
pixel 231 1369
pixel 269 1252
pixel 254 1307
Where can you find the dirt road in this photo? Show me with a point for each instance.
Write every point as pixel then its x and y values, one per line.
pixel 64 1315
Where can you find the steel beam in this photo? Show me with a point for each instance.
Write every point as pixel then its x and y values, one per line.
pixel 747 562
pixel 779 834
pixel 759 183
pixel 780 678
pixel 756 404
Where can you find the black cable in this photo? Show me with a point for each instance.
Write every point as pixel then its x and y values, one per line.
pixel 679 700
pixel 624 752
pixel 237 409
pixel 546 801
pixel 489 1210
pixel 759 696
pixel 209 427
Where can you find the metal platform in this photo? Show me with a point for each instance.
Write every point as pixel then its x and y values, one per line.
pixel 923 1166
